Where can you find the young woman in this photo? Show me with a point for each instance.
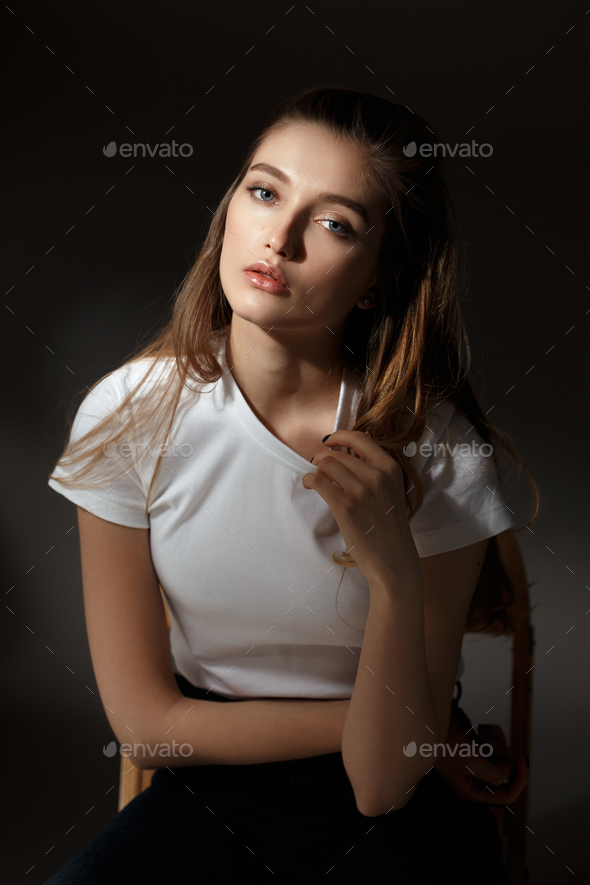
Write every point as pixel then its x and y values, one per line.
pixel 299 462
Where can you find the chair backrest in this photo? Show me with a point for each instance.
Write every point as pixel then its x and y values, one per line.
pixel 512 820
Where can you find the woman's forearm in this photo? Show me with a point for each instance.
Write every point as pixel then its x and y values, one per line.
pixel 391 705
pixel 241 733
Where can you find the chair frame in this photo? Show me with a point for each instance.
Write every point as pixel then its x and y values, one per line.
pixel 512 820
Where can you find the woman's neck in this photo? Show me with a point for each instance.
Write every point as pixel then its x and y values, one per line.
pixel 281 386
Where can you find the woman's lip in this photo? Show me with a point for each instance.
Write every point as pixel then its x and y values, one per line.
pixel 263 283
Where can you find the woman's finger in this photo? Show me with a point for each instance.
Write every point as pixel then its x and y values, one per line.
pixel 508 793
pixel 489 772
pixel 355 466
pixel 494 735
pixel 342 470
pixel 361 444
pixel 481 792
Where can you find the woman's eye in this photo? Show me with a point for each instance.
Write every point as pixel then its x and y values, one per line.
pixel 344 229
pixel 259 188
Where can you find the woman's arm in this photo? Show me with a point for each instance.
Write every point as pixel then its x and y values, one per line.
pixel 245 732
pixel 130 650
pixel 391 706
pixel 404 685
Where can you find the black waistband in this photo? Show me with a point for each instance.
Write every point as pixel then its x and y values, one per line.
pixel 194 691
pixel 206 694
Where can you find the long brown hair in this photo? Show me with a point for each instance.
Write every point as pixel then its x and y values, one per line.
pixel 407 352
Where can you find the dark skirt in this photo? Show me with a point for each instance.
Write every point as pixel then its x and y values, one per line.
pixel 292 822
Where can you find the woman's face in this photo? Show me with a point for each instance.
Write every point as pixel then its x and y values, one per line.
pixel 291 218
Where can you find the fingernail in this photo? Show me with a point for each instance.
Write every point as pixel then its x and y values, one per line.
pixel 325 438
pixel 527 762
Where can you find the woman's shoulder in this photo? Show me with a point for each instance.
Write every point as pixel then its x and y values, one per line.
pixel 130 374
pixel 132 381
pixel 447 430
pixel 151 368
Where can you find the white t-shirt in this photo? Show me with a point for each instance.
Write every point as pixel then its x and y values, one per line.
pixel 242 550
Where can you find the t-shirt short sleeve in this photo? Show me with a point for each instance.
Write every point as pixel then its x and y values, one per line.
pixel 463 502
pixel 122 500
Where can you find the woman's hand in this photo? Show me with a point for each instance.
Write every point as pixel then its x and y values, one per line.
pixel 367 497
pixel 479 779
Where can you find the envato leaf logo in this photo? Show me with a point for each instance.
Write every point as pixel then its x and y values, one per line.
pixel 111 149
pixel 410 749
pixel 410 450
pixel 110 749
pixel 410 149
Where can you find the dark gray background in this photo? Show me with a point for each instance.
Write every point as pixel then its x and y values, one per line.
pixel 93 250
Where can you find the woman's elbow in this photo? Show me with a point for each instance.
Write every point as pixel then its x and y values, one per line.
pixel 374 808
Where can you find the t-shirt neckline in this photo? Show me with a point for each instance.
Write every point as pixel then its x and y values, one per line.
pixel 261 436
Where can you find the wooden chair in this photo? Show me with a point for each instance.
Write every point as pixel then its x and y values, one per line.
pixel 512 820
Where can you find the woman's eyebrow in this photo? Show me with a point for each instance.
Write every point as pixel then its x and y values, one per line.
pixel 324 197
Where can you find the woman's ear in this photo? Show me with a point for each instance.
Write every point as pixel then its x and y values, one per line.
pixel 368 300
